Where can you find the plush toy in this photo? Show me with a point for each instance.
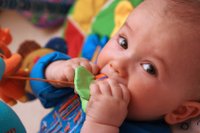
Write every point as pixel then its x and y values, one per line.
pixel 82 85
pixel 11 90
pixel 9 121
pixel 5 39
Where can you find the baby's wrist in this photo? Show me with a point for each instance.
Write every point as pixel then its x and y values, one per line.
pixel 92 126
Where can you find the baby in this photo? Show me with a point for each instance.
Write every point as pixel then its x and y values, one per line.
pixel 153 69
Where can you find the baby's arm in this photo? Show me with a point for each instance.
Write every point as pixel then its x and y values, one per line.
pixel 48 95
pixel 107 107
pixel 63 70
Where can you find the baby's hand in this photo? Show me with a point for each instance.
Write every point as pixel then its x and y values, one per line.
pixel 108 103
pixel 63 70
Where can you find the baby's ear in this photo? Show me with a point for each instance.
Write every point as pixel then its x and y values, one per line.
pixel 188 110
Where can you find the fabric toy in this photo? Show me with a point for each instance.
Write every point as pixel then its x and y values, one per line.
pixel 122 11
pixel 93 46
pixel 11 90
pixel 2 68
pixel 9 121
pixel 105 20
pixel 82 85
pixel 57 44
pixel 79 22
pixel 5 39
pixel 74 39
pixel 27 47
pixel 29 61
pixel 84 12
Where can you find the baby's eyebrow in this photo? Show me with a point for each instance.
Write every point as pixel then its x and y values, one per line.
pixel 128 26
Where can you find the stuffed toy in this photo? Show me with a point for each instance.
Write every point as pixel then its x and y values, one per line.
pixel 11 90
pixel 5 39
pixel 82 85
pixel 10 122
pixel 28 63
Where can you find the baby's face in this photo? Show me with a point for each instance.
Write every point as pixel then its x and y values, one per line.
pixel 152 59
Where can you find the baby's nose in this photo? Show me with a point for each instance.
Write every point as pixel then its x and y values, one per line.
pixel 119 67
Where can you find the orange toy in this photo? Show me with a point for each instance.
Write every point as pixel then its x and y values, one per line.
pixel 11 90
pixel 5 39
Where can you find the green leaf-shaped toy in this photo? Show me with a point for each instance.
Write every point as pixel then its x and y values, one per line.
pixel 82 81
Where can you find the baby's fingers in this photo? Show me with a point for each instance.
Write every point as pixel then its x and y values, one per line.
pixel 100 87
pixel 94 89
pixel 115 88
pixel 125 93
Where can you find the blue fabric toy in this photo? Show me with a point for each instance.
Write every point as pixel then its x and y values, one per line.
pixel 57 44
pixel 9 121
pixel 92 42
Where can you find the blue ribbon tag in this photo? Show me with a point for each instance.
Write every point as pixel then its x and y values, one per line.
pixel 2 68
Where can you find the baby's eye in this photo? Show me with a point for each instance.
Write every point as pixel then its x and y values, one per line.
pixel 149 68
pixel 123 42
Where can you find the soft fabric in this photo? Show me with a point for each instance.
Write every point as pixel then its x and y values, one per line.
pixel 104 21
pixel 11 90
pixel 122 11
pixel 84 11
pixel 5 40
pixel 57 44
pixel 9 121
pixel 2 68
pixel 48 95
pixel 92 44
pixel 67 116
pixel 29 60
pixel 27 47
pixel 74 39
pixel 82 85
pixel 145 127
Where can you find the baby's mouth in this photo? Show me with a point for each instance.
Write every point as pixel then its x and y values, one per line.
pixel 109 73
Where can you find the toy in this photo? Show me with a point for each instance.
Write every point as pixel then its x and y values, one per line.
pixel 9 122
pixel 5 39
pixel 11 90
pixel 82 84
pixel 27 47
pixel 57 44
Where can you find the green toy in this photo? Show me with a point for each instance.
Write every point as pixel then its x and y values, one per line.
pixel 82 84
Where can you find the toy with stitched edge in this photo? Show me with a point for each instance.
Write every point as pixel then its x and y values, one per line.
pixel 82 84
pixel 11 90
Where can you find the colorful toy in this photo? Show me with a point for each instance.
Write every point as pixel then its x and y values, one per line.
pixel 9 121
pixel 11 90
